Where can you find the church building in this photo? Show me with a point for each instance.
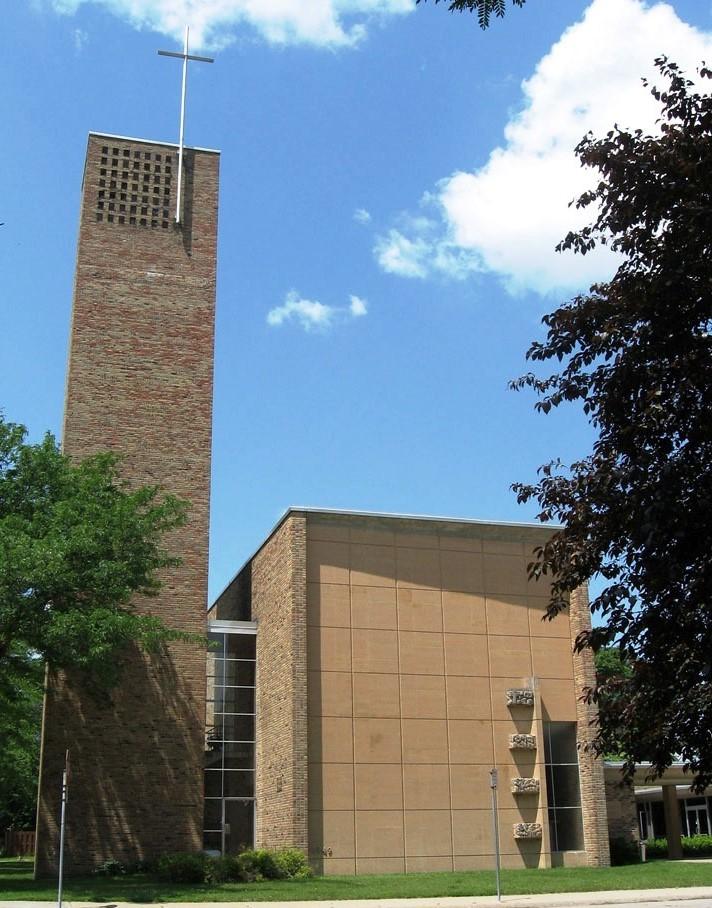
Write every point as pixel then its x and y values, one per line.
pixel 366 673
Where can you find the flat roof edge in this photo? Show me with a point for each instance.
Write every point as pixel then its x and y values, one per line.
pixel 108 135
pixel 425 518
pixel 340 512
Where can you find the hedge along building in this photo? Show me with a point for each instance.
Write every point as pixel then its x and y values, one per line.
pixel 140 382
pixel 369 672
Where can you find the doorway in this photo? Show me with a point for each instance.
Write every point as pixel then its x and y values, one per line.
pixel 697 817
pixel 238 825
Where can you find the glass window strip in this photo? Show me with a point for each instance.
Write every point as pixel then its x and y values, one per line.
pixel 563 785
pixel 231 667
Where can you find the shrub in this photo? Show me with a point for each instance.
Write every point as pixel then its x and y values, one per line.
pixel 183 867
pixel 252 865
pixel 258 864
pixel 292 864
pixel 697 846
pixel 223 869
pixel 110 868
pixel 656 848
pixel 692 847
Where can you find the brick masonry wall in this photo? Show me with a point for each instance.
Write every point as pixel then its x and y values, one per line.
pixel 279 607
pixel 622 814
pixel 140 382
pixel 593 789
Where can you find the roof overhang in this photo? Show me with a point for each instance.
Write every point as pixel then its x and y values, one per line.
pixel 675 774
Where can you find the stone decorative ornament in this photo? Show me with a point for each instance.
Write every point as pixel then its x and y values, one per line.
pixel 520 697
pixel 527 830
pixel 522 742
pixel 525 786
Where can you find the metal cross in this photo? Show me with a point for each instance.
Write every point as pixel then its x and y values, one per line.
pixel 185 56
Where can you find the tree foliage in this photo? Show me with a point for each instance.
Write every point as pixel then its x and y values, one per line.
pixel 612 674
pixel 20 721
pixel 483 8
pixel 76 543
pixel 636 353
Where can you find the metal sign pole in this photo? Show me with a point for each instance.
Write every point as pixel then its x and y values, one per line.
pixel 65 791
pixel 495 829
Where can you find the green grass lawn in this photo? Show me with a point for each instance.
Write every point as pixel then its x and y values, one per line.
pixel 16 883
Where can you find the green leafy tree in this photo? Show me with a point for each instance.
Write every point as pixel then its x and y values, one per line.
pixel 483 8
pixel 612 674
pixel 76 544
pixel 636 354
pixel 20 720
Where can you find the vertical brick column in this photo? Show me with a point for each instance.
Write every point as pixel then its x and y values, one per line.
pixel 279 607
pixel 593 790
pixel 622 814
pixel 140 382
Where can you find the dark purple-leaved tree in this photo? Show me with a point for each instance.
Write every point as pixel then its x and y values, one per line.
pixel 636 354
pixel 483 8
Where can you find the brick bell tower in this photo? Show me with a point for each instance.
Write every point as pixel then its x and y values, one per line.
pixel 140 382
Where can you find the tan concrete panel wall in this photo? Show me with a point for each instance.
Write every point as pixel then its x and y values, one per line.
pixel 140 382
pixel 440 627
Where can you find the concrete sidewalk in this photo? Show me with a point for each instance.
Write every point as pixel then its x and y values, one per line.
pixel 691 897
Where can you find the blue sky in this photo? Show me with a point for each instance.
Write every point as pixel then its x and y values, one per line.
pixel 393 183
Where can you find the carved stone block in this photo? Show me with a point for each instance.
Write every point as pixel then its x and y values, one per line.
pixel 520 697
pixel 527 830
pixel 525 786
pixel 522 742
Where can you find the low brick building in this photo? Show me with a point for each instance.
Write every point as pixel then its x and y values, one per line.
pixel 370 671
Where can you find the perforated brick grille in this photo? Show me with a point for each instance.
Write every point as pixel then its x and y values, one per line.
pixel 134 187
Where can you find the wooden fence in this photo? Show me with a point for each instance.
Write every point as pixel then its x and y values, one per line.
pixel 19 843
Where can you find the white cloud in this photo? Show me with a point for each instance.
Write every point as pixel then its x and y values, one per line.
pixel 508 216
pixel 362 216
pixel 357 306
pixel 81 38
pixel 398 254
pixel 328 23
pixel 313 315
pixel 424 245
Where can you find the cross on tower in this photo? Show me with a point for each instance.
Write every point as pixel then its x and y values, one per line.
pixel 185 56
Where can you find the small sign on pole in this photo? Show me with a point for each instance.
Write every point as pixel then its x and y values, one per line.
pixel 65 796
pixel 494 781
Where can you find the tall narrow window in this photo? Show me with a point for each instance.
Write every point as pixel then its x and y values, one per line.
pixel 563 786
pixel 230 741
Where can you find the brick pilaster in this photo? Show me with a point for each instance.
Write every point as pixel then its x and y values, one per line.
pixel 593 791
pixel 279 607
